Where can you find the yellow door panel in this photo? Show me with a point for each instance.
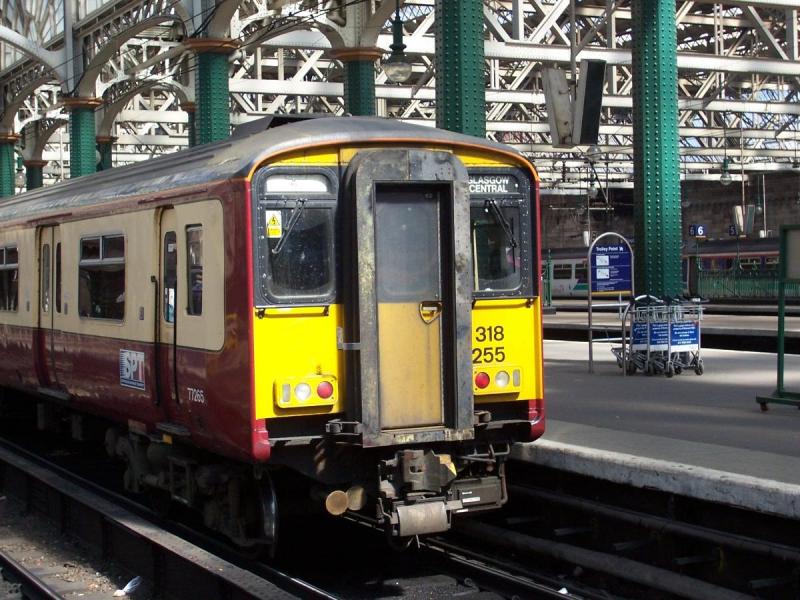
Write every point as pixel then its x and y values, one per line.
pixel 409 366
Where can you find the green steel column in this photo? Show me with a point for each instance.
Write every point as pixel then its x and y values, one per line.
pixel 359 80
pixel 105 146
pixel 213 118
pixel 460 79
pixel 34 173
pixel 190 108
pixel 7 164
pixel 82 149
pixel 657 202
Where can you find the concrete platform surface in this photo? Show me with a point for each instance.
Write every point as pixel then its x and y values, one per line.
pixel 703 436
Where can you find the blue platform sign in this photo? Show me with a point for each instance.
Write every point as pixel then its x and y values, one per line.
pixel 611 269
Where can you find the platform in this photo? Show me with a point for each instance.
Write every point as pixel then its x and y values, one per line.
pixel 703 437
pixel 713 324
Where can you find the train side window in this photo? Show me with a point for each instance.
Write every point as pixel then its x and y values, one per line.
pixel 750 264
pixel 771 263
pixel 580 273
pixel 194 269
pixel 170 275
pixel 45 278
pixel 101 277
pixel 9 278
pixel 57 292
pixel 562 271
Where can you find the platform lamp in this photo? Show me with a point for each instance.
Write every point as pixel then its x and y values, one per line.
pixel 725 176
pixel 397 68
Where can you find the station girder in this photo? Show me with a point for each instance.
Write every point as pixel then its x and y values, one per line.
pixel 738 72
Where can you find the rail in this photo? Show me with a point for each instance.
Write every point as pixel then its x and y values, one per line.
pixel 656 541
pixel 31 587
pixel 162 558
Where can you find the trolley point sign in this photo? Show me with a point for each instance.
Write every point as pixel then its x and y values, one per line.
pixel 611 269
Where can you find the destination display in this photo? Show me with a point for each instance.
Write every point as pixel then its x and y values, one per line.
pixel 493 184
pixel 611 269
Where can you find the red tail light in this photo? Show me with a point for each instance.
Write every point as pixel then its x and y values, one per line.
pixel 324 390
pixel 482 380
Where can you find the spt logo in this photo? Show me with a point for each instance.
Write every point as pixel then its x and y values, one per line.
pixel 131 369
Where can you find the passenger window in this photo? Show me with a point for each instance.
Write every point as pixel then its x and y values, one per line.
pixel 170 275
pixel 771 263
pixel 101 277
pixel 580 273
pixel 562 271
pixel 58 278
pixel 9 275
pixel 750 264
pixel 194 269
pixel 45 266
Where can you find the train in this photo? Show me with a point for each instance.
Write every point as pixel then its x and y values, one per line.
pixel 741 270
pixel 346 302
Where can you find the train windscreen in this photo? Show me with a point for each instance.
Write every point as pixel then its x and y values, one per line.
pixel 502 233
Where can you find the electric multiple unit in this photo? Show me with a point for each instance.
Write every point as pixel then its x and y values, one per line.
pixel 353 300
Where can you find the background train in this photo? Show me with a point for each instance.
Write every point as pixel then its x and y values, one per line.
pixel 717 270
pixel 350 300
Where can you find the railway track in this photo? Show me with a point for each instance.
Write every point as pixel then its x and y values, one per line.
pixel 23 583
pixel 639 543
pixel 172 563
pixel 562 535
pixel 127 531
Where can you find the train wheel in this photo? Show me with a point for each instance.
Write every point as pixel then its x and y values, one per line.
pixel 268 505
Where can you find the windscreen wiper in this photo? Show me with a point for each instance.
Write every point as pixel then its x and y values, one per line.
pixel 293 218
pixel 501 220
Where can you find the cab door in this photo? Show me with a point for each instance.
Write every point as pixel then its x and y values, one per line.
pixel 414 295
pixel 166 347
pixel 49 302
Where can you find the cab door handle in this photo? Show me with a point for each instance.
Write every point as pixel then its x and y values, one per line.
pixel 430 310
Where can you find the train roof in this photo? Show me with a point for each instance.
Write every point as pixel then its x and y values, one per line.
pixel 227 159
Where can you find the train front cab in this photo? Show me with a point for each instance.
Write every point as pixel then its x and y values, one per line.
pixel 411 344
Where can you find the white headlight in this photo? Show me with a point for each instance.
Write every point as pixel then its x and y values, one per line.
pixel 302 391
pixel 501 379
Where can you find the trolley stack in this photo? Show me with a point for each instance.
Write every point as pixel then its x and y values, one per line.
pixel 661 337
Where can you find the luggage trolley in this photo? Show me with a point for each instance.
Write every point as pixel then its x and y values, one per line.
pixel 660 337
pixel 685 349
